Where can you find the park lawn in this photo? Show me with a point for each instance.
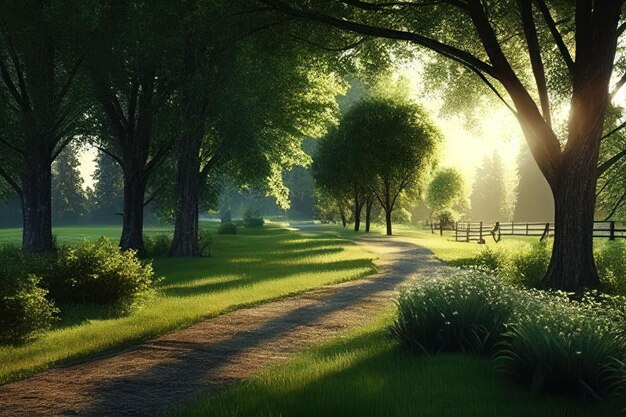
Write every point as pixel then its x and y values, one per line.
pixel 245 269
pixel 364 373
pixel 69 235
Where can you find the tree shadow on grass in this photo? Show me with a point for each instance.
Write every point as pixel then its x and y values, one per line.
pixel 197 367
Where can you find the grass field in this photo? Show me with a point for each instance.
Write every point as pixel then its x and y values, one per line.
pixel 365 374
pixel 252 267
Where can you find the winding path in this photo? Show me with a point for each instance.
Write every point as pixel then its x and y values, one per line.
pixel 153 377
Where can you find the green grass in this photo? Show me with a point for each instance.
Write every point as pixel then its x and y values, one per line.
pixel 364 373
pixel 75 234
pixel 245 269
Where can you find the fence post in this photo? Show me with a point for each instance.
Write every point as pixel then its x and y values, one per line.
pixel 456 232
pixel 526 229
pixel 612 230
pixel 546 232
pixel 512 227
pixel 440 228
pixel 467 231
pixel 480 236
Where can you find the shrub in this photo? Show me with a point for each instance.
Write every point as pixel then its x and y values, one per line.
pixel 252 218
pixel 554 344
pixel 462 313
pixel 100 273
pixel 227 229
pixel 157 245
pixel 24 310
pixel 611 263
pixel 527 267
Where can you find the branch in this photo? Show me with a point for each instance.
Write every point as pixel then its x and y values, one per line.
pixel 11 146
pixel 616 206
pixel 617 129
pixel 556 35
pixel 329 49
pixel 112 155
pixel 12 182
pixel 534 51
pixel 369 30
pixel 6 77
pixel 68 82
pixel 611 161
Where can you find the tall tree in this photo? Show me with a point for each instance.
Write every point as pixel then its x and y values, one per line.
pixel 108 193
pixel 395 143
pixel 69 205
pixel 445 195
pixel 132 80
pixel 40 103
pixel 486 37
pixel 490 198
pixel 249 97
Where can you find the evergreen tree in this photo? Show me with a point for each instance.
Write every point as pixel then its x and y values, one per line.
pixel 69 202
pixel 490 198
pixel 108 192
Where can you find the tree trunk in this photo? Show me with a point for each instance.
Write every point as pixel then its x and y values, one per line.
pixel 388 221
pixel 572 265
pixel 368 213
pixel 344 222
pixel 36 206
pixel 132 226
pixel 185 241
pixel 358 206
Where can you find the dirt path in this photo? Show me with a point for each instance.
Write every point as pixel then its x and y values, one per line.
pixel 177 367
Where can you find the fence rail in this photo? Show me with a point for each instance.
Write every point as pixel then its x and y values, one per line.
pixel 477 231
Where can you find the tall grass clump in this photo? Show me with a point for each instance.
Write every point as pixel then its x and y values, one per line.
pixel 466 312
pixel 554 344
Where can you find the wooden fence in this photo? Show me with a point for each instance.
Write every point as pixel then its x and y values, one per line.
pixel 478 231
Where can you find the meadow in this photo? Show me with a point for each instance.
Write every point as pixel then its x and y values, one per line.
pixel 252 267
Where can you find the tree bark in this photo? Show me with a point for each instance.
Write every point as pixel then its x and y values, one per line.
pixel 358 207
pixel 388 221
pixel 185 241
pixel 368 212
pixel 132 225
pixel 36 205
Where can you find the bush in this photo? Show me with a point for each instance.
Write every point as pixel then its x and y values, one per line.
pixel 100 273
pixel 554 344
pixel 157 245
pixel 24 310
pixel 227 229
pixel 611 263
pixel 252 218
pixel 527 267
pixel 463 313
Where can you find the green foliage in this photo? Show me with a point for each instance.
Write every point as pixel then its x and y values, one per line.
pixel 611 263
pixel 445 194
pixel 547 341
pixel 463 313
pixel 227 229
pixel 253 218
pixel 492 198
pixel 156 245
pixel 69 202
pixel 555 344
pixel 528 266
pixel 25 312
pixel 100 273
